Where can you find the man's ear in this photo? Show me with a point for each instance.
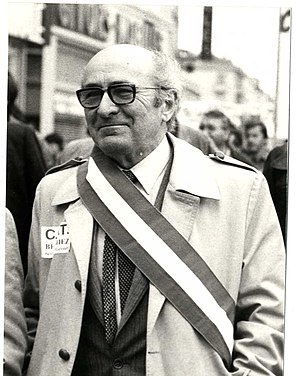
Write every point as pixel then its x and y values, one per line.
pixel 169 106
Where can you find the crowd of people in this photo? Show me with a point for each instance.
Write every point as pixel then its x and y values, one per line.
pixel 248 143
pixel 143 249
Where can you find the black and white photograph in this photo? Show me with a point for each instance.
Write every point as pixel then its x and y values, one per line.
pixel 148 189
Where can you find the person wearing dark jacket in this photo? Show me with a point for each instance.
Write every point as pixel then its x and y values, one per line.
pixel 25 167
pixel 275 171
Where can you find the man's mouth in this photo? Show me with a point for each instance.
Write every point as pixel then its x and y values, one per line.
pixel 112 125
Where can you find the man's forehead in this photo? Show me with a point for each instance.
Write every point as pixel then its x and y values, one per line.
pixel 121 60
pixel 126 55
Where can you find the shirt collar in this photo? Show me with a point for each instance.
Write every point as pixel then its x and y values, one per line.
pixel 149 169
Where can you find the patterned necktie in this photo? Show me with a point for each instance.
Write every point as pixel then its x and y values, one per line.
pixel 125 270
pixel 109 297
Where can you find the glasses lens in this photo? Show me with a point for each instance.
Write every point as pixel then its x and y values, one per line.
pixel 90 98
pixel 122 94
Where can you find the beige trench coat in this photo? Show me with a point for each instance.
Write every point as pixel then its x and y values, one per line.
pixel 226 213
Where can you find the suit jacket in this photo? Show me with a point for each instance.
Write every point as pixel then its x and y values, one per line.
pixel 15 336
pixel 221 209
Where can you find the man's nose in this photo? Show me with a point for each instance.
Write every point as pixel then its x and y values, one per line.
pixel 107 107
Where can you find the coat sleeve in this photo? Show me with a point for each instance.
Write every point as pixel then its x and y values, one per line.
pixel 260 306
pixel 15 339
pixel 32 289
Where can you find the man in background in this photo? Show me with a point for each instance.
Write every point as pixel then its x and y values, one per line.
pixel 55 144
pixel 256 143
pixel 216 125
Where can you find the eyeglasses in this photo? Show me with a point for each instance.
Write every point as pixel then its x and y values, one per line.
pixel 119 94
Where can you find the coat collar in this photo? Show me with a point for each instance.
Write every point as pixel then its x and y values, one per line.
pixel 68 191
pixel 191 173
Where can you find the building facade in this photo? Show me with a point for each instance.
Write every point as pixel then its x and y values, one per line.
pixel 218 83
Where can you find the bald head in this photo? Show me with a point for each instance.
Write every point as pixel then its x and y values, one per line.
pixel 127 51
pixel 128 58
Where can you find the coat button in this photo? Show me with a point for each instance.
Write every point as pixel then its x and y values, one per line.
pixel 219 154
pixel 117 363
pixel 64 354
pixel 78 285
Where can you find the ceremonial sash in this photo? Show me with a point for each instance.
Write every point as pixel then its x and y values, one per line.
pixel 162 254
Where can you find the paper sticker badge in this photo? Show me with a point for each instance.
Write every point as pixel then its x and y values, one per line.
pixel 55 239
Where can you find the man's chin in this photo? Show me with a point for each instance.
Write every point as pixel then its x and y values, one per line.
pixel 111 146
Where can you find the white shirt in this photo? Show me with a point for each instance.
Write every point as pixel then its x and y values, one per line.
pixel 149 172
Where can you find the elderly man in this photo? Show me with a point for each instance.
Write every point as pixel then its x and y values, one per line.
pixel 150 258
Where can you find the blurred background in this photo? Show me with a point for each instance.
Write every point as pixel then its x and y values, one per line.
pixel 235 59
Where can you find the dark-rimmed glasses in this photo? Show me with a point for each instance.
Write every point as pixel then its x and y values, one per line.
pixel 119 94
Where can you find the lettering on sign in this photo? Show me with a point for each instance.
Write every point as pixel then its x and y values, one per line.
pixel 54 239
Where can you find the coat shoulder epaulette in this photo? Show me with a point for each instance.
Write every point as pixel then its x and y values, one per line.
pixel 219 156
pixel 71 163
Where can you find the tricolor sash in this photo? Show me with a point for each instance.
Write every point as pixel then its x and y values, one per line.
pixel 161 253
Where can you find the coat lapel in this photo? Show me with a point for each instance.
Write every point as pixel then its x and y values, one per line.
pixel 180 210
pixel 95 289
pixel 188 184
pixel 81 234
pixel 137 291
pixel 80 226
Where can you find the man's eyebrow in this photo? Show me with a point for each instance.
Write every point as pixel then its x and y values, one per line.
pixel 120 82
pixel 111 83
